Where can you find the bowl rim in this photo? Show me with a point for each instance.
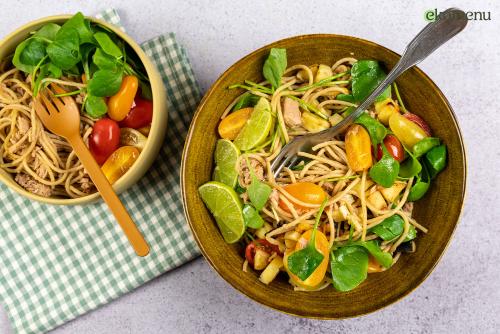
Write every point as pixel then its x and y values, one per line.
pixel 156 127
pixel 183 175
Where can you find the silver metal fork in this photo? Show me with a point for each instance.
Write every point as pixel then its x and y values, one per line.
pixel 448 24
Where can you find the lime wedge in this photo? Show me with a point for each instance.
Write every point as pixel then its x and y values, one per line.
pixel 226 155
pixel 256 128
pixel 226 207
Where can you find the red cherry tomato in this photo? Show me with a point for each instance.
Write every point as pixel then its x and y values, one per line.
pixel 104 139
pixel 140 115
pixel 419 121
pixel 393 145
pixel 262 244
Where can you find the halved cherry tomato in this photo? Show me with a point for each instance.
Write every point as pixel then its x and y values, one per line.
pixel 394 147
pixel 373 265
pixel 323 247
pixel 306 192
pixel 358 148
pixel 419 121
pixel 104 139
pixel 230 126
pixel 407 131
pixel 119 104
pixel 262 244
pixel 140 115
pixel 120 162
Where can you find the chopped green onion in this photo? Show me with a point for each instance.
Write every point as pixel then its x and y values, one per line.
pixel 399 97
pixel 308 107
pixel 325 81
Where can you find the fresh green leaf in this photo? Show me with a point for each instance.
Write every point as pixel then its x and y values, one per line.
pixel 48 31
pixel 424 145
pixel 412 234
pixel 105 61
pixel 436 160
pixel 252 217
pixel 390 228
pixel 366 76
pixel 246 100
pixel 258 192
pixel 55 72
pixel 372 246
pixel 107 44
pixel 376 129
pixel 64 52
pixel 410 167
pixel 349 267
pixel 385 94
pixel 33 52
pixel 82 26
pixel 346 98
pixel 418 190
pixel 86 50
pixel 105 83
pixel 275 66
pixel 95 106
pixel 386 170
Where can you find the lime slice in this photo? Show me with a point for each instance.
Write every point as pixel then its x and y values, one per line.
pixel 226 207
pixel 226 155
pixel 256 128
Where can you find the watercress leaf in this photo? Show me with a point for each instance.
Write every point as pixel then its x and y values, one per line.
pixel 424 145
pixel 366 75
pixel 345 97
pixel 258 193
pixel 16 60
pixel 33 52
pixel 55 72
pixel 412 234
pixel 418 191
pixel 48 31
pixel 246 100
pixel 410 167
pixel 86 51
pixel 390 228
pixel 436 160
pixel 105 61
pixel 372 246
pixel 64 52
pixel 252 217
pixel 349 267
pixel 304 262
pixel 105 83
pixel 385 94
pixel 376 129
pixel 82 26
pixel 275 66
pixel 107 44
pixel 95 106
pixel 385 171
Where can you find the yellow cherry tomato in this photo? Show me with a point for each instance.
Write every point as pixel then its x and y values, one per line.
pixel 323 247
pixel 119 162
pixel 231 125
pixel 407 132
pixel 120 104
pixel 358 148
pixel 306 192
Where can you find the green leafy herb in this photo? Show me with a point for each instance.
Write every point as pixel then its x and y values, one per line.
pixel 95 106
pixel 372 246
pixel 33 53
pixel 246 100
pixel 252 217
pixel 64 52
pixel 376 129
pixel 436 160
pixel 349 267
pixel 366 76
pixel 107 44
pixel 275 66
pixel 304 262
pixel 386 170
pixel 48 32
pixel 258 192
pixel 424 145
pixel 105 61
pixel 421 186
pixel 410 167
pixel 346 98
pixel 105 83
pixel 392 228
pixel 82 26
pixel 412 234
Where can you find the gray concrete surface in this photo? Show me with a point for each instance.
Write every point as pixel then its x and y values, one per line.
pixel 461 295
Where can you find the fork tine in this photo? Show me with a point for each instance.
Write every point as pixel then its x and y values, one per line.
pixel 282 164
pixel 40 110
pixel 58 89
pixel 48 104
pixel 56 101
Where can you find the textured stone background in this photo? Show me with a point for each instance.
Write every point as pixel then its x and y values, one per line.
pixel 461 295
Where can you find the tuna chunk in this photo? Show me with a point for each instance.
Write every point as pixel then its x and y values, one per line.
pixel 245 176
pixel 32 185
pixel 291 113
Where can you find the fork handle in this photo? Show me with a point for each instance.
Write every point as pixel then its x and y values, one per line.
pixel 108 194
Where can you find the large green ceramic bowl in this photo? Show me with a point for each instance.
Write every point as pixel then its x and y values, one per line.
pixel 439 210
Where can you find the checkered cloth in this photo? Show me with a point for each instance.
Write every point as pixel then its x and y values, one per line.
pixel 58 262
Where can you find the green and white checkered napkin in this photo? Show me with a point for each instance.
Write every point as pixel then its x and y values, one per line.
pixel 58 262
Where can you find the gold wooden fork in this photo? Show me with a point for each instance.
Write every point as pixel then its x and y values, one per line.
pixel 61 116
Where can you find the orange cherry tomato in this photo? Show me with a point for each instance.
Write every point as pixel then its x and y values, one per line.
pixel 393 145
pixel 408 132
pixel 231 125
pixel 119 162
pixel 120 104
pixel 306 192
pixel 323 247
pixel 358 148
pixel 374 266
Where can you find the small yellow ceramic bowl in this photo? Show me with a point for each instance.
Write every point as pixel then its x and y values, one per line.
pixel 439 210
pixel 158 124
